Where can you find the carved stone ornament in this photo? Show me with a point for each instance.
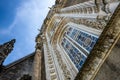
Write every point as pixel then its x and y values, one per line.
pixel 102 49
pixel 66 72
pixel 7 47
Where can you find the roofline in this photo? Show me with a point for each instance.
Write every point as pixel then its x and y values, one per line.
pixel 18 61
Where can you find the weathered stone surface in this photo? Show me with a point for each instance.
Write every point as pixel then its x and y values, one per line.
pixel 110 70
pixel 48 62
pixel 102 49
pixel 73 2
pixel 5 49
pixel 18 69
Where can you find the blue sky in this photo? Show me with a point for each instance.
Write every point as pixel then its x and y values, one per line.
pixel 21 19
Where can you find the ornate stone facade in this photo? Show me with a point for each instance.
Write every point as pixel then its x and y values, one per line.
pixel 74 42
pixel 77 37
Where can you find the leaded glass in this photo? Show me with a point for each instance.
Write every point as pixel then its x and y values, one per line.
pixel 85 40
pixel 75 55
pixel 73 41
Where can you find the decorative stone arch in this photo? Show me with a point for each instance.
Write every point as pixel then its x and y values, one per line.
pixel 62 34
pixel 57 46
pixel 61 26
pixel 77 27
pixel 50 23
pixel 56 41
pixel 48 29
pixel 58 31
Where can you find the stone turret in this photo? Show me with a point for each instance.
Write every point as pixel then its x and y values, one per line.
pixel 5 49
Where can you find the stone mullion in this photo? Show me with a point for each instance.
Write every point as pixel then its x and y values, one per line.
pixel 102 49
pixel 76 44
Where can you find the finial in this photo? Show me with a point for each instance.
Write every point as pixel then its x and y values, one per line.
pixel 6 48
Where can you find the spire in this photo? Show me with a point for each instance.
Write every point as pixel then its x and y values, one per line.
pixel 5 49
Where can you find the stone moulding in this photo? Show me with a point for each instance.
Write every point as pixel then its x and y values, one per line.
pixel 102 49
pixel 62 65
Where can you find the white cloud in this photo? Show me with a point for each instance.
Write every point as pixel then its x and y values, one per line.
pixel 29 15
pixel 30 12
pixel 8 30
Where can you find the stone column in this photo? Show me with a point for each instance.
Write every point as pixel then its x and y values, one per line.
pixel 37 65
pixel 38 58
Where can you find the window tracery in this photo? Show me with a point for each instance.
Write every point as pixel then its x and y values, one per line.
pixel 75 55
pixel 83 39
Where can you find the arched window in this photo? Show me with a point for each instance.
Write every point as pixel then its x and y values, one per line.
pixel 78 44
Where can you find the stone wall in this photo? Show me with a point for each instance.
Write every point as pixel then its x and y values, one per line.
pixel 18 69
pixel 110 70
